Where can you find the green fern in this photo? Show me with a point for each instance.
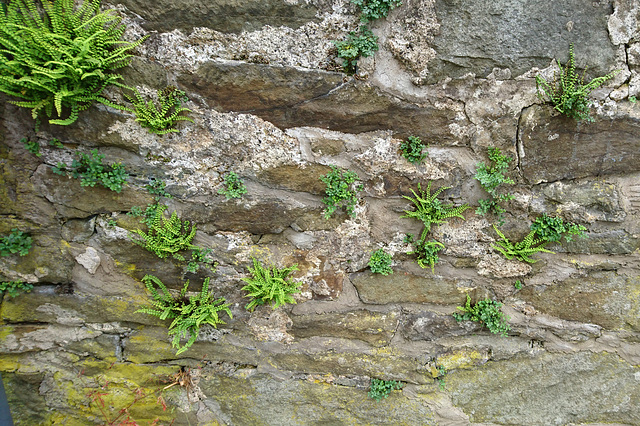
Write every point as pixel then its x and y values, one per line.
pixel 160 117
pixel 430 210
pixel 568 93
pixel 522 250
pixel 61 59
pixel 426 252
pixel 188 314
pixel 486 312
pixel 166 236
pixel 270 285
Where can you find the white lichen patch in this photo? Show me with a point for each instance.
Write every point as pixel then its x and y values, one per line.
pixel 495 265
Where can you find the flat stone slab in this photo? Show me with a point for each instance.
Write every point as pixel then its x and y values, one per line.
pixel 556 147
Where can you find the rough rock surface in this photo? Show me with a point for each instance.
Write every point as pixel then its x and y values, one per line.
pixel 269 102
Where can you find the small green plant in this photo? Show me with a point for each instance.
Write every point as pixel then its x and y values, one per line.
pixel 552 229
pixel 430 210
pixel 156 187
pixel 56 143
pixel 161 116
pixel 379 389
pixel 412 150
pixel 200 257
pixel 522 250
pixel 518 285
pixel 486 312
pixel 426 251
pixel 380 262
pixel 55 56
pixel 188 314
pixel 15 242
pixel 633 99
pixel 441 375
pixel 492 177
pixel 375 9
pixel 148 215
pixel 233 186
pixel 13 288
pixel 166 236
pixel 91 171
pixel 270 285
pixel 111 223
pixel 32 147
pixel 568 92
pixel 361 44
pixel 341 191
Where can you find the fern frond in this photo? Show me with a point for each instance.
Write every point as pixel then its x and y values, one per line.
pixel 521 250
pixel 270 285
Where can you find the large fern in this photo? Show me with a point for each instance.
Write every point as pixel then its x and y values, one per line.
pixel 522 250
pixel 166 236
pixel 188 314
pixel 430 210
pixel 58 58
pixel 270 285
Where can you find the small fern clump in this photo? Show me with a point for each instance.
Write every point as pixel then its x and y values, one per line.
pixel 380 262
pixel 91 171
pixel 341 191
pixel 270 285
pixel 412 150
pixel 15 242
pixel 166 237
pixel 379 388
pixel 426 252
pixel 357 45
pixel 492 177
pixel 552 229
pixel 430 210
pixel 375 9
pixel 486 312
pixel 522 250
pixel 233 186
pixel 188 314
pixel 160 117
pixel 568 92
pixel 58 58
pixel 13 288
pixel 31 146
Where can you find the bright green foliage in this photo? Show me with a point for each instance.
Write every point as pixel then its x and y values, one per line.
pixel 518 285
pixel 270 285
pixel 15 242
pixel 412 150
pixel 491 178
pixel 426 252
pixel 382 388
pixel 523 249
pixel 340 191
pixel 200 257
pixel 633 99
pixel 430 210
pixel 161 116
pixel 157 187
pixel 188 314
pixel 375 9
pixel 149 214
pixel 13 288
pixel 166 236
pixel 568 93
pixel 91 171
pixel 60 59
pixel 55 142
pixel 380 262
pixel 552 229
pixel 440 378
pixel 32 147
pixel 361 44
pixel 233 186
pixel 486 312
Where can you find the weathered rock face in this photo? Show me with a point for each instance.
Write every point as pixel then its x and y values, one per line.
pixel 268 102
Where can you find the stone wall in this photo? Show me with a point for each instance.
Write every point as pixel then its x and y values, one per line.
pixel 270 103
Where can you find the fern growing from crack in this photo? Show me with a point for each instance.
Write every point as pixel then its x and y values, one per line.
pixel 188 314
pixel 522 250
pixel 166 236
pixel 61 59
pixel 270 285
pixel 162 116
pixel 430 210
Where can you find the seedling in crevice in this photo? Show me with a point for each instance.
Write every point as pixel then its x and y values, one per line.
pixel 492 177
pixel 357 45
pixel 341 191
pixel 382 388
pixel 380 262
pixel 412 150
pixel 233 186
pixel 486 312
